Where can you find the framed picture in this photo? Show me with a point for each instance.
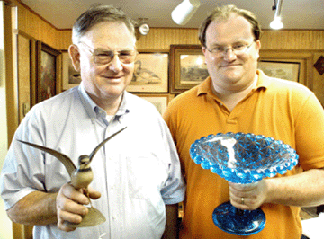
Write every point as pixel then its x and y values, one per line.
pixel 70 76
pixel 48 71
pixel 150 73
pixel 160 101
pixel 187 67
pixel 281 69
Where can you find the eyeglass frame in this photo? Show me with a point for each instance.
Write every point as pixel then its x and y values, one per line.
pixel 92 51
pixel 225 49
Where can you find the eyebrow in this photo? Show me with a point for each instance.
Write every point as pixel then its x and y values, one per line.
pixel 238 41
pixel 109 50
pixel 123 49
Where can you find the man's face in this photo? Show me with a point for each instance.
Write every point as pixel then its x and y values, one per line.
pixel 105 81
pixel 231 71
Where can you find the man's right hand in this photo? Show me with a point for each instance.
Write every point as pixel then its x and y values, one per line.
pixel 70 206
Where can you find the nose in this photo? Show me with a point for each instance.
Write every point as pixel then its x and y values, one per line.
pixel 229 54
pixel 115 64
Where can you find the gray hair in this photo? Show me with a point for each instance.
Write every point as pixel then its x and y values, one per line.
pixel 99 13
pixel 224 12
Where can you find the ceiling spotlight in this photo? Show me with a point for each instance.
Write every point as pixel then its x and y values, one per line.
pixel 143 27
pixel 277 24
pixel 184 11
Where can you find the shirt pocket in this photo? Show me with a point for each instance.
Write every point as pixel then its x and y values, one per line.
pixel 146 176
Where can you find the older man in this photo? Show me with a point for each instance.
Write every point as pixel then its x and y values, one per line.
pixel 137 172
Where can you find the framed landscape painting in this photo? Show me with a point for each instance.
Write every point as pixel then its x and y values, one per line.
pixel 281 69
pixel 48 71
pixel 150 72
pixel 187 67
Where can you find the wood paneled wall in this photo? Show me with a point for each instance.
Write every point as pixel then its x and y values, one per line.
pixel 161 38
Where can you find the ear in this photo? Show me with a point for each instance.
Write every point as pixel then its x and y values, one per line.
pixel 75 56
pixel 203 49
pixel 258 46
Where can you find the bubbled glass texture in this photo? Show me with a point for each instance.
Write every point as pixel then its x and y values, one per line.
pixel 243 158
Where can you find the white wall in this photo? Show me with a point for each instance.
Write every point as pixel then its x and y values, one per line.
pixel 5 223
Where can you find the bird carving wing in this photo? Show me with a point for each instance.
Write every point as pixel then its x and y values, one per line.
pixel 96 149
pixel 69 165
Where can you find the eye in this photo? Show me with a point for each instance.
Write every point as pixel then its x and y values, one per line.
pixel 104 54
pixel 239 46
pixel 125 53
pixel 218 49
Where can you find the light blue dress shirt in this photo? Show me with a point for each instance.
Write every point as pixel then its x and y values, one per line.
pixel 137 172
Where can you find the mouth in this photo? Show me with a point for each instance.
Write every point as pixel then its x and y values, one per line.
pixel 113 77
pixel 231 65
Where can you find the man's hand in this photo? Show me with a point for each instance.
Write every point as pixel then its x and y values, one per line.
pixel 248 196
pixel 70 205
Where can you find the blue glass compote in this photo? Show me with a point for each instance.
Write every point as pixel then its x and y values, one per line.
pixel 242 158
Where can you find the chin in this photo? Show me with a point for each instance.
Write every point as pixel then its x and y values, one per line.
pixel 232 77
pixel 113 90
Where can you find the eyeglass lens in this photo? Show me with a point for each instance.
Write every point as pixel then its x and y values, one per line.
pixel 104 57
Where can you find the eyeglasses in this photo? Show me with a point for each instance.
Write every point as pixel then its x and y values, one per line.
pixel 237 49
pixel 103 57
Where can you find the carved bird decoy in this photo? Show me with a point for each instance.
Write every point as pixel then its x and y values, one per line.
pixel 81 175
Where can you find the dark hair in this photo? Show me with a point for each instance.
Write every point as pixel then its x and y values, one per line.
pixel 224 12
pixel 99 13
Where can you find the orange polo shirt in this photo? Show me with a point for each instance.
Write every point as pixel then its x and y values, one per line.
pixel 281 109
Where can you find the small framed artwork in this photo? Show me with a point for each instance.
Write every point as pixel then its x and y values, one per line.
pixel 160 101
pixel 281 69
pixel 70 76
pixel 187 67
pixel 319 65
pixel 48 71
pixel 150 72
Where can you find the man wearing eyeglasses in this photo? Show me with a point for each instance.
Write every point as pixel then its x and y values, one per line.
pixel 239 98
pixel 137 178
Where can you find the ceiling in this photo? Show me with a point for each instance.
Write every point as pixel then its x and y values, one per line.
pixel 297 14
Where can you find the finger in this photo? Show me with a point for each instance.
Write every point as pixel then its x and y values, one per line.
pixel 76 195
pixel 72 213
pixel 93 194
pixel 234 192
pixel 70 217
pixel 243 187
pixel 68 205
pixel 65 204
pixel 241 203
pixel 62 225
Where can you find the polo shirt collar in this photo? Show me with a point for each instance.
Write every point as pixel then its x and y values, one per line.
pixel 205 86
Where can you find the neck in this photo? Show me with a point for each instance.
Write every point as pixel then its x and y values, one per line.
pixel 110 105
pixel 232 97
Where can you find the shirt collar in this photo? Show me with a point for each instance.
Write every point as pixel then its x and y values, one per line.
pixel 94 111
pixel 205 86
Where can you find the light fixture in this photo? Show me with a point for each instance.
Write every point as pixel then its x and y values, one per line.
pixel 184 11
pixel 277 24
pixel 143 27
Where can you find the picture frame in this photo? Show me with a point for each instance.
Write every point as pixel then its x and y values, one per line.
pixel 150 72
pixel 187 67
pixel 70 77
pixel 160 101
pixel 26 73
pixel 48 79
pixel 287 70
